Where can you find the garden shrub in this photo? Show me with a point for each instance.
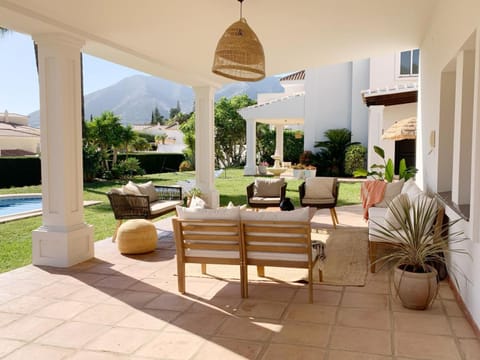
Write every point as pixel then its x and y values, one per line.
pixel 355 158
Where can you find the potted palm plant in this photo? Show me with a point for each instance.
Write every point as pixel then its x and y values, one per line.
pixel 421 243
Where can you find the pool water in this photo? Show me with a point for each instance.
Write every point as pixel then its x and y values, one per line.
pixel 15 205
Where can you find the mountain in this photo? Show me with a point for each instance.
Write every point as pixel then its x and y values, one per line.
pixel 134 98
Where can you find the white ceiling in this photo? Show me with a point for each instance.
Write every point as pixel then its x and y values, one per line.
pixel 176 39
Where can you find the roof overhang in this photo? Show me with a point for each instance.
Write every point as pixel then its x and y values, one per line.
pixel 287 110
pixel 176 40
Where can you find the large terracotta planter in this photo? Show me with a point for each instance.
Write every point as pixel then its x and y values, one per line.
pixel 415 290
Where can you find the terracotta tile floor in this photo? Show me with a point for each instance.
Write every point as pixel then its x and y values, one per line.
pixel 119 307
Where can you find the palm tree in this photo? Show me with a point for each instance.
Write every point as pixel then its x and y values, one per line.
pixel 331 157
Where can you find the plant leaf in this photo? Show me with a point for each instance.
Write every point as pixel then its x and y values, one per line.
pixel 380 152
pixel 402 169
pixel 389 171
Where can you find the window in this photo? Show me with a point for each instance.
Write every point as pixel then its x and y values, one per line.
pixel 409 62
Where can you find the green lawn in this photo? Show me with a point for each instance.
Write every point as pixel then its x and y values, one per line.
pixel 16 238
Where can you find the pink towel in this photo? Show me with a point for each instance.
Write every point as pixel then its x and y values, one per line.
pixel 372 193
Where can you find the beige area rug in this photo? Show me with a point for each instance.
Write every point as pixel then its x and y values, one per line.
pixel 346 262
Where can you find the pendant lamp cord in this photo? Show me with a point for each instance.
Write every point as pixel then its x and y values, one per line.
pixel 241 3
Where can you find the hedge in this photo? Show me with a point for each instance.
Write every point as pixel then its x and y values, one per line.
pixel 20 171
pixel 154 163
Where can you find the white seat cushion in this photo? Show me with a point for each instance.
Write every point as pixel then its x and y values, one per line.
pixel 327 200
pixel 160 206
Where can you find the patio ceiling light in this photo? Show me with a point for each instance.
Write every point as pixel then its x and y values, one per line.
pixel 239 54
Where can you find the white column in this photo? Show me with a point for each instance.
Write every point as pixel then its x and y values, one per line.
pixel 375 132
pixel 462 133
pixel 250 166
pixel 64 239
pixel 205 144
pixel 279 142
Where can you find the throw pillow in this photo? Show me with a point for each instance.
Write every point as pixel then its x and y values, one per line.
pixel 117 191
pixel 131 189
pixel 392 190
pixel 268 187
pixel 319 188
pixel 421 203
pixel 148 189
pixel 397 212
pixel 197 202
pixel 411 189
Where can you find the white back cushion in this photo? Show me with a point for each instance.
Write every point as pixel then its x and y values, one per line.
pixel 411 189
pixel 319 187
pixel 268 187
pixel 148 189
pixel 302 214
pixel 392 190
pixel 208 214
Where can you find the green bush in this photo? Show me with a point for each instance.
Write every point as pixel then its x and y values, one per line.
pixel 127 168
pixel 185 165
pixel 154 163
pixel 355 158
pixel 20 171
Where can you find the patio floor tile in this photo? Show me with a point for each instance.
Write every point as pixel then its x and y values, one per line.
pixel 364 318
pixel 362 340
pixel 28 328
pixel 104 314
pixel 7 346
pixel 121 340
pixel 301 333
pixel 312 313
pixel 228 349
pixel 261 309
pixel 423 346
pixel 293 352
pixel 172 346
pixel 39 352
pixel 72 334
pixel 422 323
pixel 349 355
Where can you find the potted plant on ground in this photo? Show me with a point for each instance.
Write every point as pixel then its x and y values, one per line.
pixel 262 168
pixel 420 244
pixel 298 171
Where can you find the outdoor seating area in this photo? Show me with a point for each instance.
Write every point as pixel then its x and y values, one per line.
pixel 117 306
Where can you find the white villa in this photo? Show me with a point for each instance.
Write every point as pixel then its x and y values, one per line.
pixel 16 137
pixel 365 96
pixel 146 35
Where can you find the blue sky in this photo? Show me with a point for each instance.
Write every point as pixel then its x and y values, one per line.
pixel 19 79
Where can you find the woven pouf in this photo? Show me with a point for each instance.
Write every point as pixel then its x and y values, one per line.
pixel 136 237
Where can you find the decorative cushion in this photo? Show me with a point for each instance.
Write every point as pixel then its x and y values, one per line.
pixel 424 201
pixel 411 189
pixel 319 188
pixel 302 214
pixel 148 189
pixel 136 237
pixel 395 214
pixel 131 189
pixel 197 202
pixel 268 187
pixel 392 190
pixel 205 214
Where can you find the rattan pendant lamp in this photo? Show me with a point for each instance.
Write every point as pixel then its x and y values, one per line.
pixel 239 54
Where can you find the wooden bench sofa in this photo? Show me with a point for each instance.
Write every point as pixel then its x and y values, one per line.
pixel 242 238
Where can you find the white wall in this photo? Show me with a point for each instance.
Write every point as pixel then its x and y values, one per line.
pixel 360 81
pixel 384 69
pixel 328 101
pixel 452 23
pixel 31 144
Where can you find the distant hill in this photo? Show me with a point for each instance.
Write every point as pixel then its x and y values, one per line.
pixel 134 98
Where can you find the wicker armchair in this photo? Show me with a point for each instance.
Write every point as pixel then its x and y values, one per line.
pixel 265 193
pixel 127 206
pixel 321 193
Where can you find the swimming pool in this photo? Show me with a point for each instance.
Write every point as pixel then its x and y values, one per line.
pixel 19 205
